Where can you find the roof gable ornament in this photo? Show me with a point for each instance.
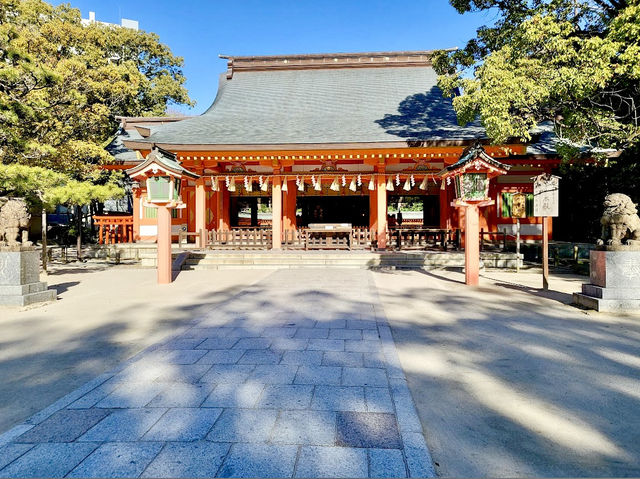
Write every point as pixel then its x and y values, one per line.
pixel 161 162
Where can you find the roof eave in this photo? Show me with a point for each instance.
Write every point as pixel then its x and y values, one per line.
pixel 146 145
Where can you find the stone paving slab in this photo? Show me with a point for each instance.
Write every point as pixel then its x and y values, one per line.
pixel 126 459
pixel 297 376
pixel 192 459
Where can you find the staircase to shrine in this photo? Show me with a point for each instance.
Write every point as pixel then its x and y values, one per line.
pixel 144 254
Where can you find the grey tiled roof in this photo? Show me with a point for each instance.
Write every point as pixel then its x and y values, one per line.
pixel 546 141
pixel 341 105
pixel 121 153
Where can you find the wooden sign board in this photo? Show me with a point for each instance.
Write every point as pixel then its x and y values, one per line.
pixel 519 206
pixel 545 195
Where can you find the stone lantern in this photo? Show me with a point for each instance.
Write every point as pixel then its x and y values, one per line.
pixel 162 175
pixel 471 175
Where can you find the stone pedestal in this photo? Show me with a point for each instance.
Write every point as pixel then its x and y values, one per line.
pixel 615 282
pixel 20 283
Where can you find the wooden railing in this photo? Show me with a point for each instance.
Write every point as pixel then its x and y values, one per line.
pixel 114 229
pixel 240 238
pixel 183 237
pixel 261 238
pixel 294 239
pixel 501 235
pixel 419 238
pixel 361 237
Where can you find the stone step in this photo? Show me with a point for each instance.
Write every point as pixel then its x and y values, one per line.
pixel 610 293
pixel 606 305
pixel 21 289
pixel 29 298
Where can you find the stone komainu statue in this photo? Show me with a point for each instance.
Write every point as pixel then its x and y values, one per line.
pixel 14 222
pixel 620 221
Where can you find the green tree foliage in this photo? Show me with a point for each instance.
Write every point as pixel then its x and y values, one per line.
pixel 47 188
pixel 573 62
pixel 63 83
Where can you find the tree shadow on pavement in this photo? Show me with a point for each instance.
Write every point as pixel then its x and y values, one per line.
pixel 510 383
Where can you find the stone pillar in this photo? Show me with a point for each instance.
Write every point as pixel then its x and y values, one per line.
pixel 164 245
pixel 20 283
pixel 381 208
pixel 201 213
pixel 615 280
pixel 471 245
pixel 276 207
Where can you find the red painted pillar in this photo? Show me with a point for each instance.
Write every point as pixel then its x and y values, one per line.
pixel 381 209
pixel 222 207
pixel 137 213
pixel 164 245
pixel 276 208
pixel 201 213
pixel 445 210
pixel 373 210
pixel 471 245
pixel 289 206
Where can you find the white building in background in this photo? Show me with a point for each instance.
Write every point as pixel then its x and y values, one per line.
pixel 124 22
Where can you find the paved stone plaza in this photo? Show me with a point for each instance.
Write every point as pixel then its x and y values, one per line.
pixel 295 376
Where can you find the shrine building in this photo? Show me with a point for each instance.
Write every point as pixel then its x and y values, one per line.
pixel 325 138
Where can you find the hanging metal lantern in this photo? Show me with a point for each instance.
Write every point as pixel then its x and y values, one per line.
pixel 471 175
pixel 162 189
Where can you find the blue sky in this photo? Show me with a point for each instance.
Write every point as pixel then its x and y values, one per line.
pixel 200 30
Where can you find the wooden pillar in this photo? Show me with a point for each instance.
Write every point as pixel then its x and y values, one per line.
pixel 471 245
pixel 276 208
pixel 289 206
pixel 164 245
pixel 373 210
pixel 445 209
pixel 137 213
pixel 545 252
pixel 382 208
pixel 201 213
pixel 222 207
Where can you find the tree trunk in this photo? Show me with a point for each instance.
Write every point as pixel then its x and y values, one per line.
pixel 44 239
pixel 79 232
pixel 92 211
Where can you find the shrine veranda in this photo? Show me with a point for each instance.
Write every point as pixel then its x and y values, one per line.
pixel 323 139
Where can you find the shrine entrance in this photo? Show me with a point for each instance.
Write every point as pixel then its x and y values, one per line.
pixel 334 209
